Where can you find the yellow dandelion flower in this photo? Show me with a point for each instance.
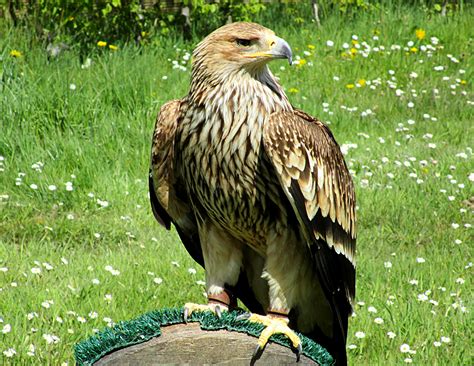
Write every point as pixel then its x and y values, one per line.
pixel 101 44
pixel 354 42
pixel 414 49
pixel 302 62
pixel 350 86
pixel 353 51
pixel 361 82
pixel 420 34
pixel 311 47
pixel 143 34
pixel 15 53
pixel 343 55
pixel 293 90
pixel 463 82
pixel 112 47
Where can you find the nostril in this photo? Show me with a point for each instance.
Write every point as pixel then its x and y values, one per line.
pixel 272 43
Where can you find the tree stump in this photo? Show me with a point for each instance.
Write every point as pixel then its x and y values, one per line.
pixel 189 344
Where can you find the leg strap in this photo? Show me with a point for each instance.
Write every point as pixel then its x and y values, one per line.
pixel 277 313
pixel 226 298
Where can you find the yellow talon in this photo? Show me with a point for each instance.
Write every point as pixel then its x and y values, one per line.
pixel 274 326
pixel 190 308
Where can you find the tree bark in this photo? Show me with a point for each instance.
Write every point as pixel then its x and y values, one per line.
pixel 189 344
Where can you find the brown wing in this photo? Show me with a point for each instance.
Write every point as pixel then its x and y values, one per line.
pixel 314 177
pixel 168 198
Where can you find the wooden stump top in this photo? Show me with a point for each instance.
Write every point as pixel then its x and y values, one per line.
pixel 189 344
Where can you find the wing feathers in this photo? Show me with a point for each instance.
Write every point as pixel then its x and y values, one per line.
pixel 313 174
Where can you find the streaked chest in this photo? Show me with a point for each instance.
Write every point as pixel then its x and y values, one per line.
pixel 219 144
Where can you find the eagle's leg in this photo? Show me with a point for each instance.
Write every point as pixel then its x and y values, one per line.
pixel 281 271
pixel 223 261
pixel 216 304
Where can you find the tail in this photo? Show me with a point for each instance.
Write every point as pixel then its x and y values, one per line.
pixel 335 345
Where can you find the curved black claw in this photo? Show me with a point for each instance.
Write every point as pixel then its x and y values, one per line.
pixel 256 355
pixel 298 351
pixel 218 311
pixel 243 316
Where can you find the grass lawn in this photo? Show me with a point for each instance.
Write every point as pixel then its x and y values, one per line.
pixel 80 249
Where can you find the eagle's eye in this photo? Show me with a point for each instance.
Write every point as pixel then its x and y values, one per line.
pixel 243 42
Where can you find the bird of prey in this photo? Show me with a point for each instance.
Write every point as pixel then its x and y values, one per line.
pixel 258 191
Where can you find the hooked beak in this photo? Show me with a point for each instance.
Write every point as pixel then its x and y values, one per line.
pixel 279 48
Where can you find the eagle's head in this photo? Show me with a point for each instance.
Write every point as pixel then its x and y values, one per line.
pixel 238 47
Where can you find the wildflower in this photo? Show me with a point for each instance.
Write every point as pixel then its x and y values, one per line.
pixel 437 343
pixel 15 53
pixel 103 204
pixel 387 264
pixel 422 297
pixel 311 47
pixel 72 86
pixel 9 352
pixel 51 338
pixel 31 350
pixel 52 187
pixel 69 186
pixel 81 319
pixel 361 82
pixel 33 186
pixel 420 260
pixel 329 43
pixel 191 271
pixel 101 44
pixel 86 64
pixel 408 360
pixel 158 280
pixel 420 33
pixel 445 339
pixel 391 335
pixel 112 47
pixel 371 309
pixel 350 86
pixel 6 328
pixel 414 50
pixel 404 348
pixel 293 90
pixel 360 334
pixel 36 270
pixel 108 297
pixel 352 346
pixel 301 62
pixel 378 321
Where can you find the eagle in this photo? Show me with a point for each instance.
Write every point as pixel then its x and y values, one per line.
pixel 259 193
